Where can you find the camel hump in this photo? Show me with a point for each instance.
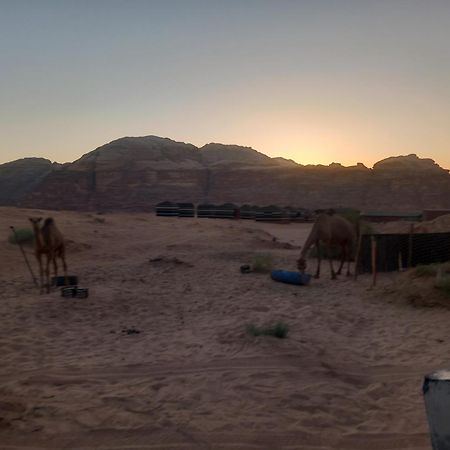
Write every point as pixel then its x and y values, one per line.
pixel 49 221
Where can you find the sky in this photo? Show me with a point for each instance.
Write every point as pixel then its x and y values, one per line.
pixel 315 81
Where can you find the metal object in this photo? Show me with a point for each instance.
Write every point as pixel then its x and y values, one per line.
pixel 74 292
pixel 24 256
pixel 436 392
pixel 82 293
pixel 68 291
pixel 246 268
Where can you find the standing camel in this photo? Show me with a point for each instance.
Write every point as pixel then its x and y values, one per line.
pixel 48 241
pixel 330 230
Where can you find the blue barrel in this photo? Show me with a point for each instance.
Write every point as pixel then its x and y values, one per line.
pixel 291 277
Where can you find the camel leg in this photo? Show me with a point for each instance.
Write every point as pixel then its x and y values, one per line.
pixel 317 275
pixel 47 271
pixel 55 266
pixel 349 262
pixel 343 257
pixel 63 259
pixel 330 258
pixel 41 273
pixel 333 273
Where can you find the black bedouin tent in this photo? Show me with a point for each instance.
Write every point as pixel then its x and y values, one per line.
pixel 186 210
pixel 210 211
pixel 167 209
pixel 398 251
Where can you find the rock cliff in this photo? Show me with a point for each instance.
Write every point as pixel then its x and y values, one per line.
pixel 18 178
pixel 136 173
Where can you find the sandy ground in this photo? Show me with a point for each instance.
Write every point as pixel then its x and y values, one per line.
pixel 348 376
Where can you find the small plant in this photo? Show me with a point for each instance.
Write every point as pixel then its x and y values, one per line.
pixel 426 270
pixel 431 270
pixel 262 263
pixel 22 236
pixel 279 330
pixel 443 284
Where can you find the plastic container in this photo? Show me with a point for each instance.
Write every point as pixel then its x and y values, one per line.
pixel 285 276
pixel 436 391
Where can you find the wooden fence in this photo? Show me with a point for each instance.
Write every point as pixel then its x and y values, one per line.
pixel 400 251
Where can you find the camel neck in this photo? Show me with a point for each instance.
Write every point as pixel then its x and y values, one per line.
pixel 37 236
pixel 310 241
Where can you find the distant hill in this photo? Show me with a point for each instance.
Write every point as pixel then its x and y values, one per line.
pixel 20 177
pixel 135 173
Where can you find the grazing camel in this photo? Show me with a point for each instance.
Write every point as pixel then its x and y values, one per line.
pixel 48 240
pixel 330 230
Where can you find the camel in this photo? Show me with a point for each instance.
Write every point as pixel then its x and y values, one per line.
pixel 330 230
pixel 48 240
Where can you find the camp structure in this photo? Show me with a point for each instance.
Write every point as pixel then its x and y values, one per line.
pixel 210 211
pixel 247 212
pixel 400 251
pixel 390 216
pixel 431 214
pixel 271 213
pixel 167 209
pixel 186 210
pixel 297 214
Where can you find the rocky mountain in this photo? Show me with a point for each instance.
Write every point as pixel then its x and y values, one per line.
pixel 18 178
pixel 136 173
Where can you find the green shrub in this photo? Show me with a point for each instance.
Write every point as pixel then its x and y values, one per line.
pixel 262 263
pixel 279 330
pixel 443 284
pixel 426 270
pixel 431 270
pixel 22 236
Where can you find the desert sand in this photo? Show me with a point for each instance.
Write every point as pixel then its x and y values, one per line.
pixel 158 356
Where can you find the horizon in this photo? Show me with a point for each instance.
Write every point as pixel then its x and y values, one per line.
pixel 316 82
pixel 220 143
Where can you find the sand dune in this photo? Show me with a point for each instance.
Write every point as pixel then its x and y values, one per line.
pixel 189 376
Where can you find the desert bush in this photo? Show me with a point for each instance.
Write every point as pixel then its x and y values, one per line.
pixel 431 270
pixel 22 236
pixel 279 330
pixel 443 284
pixel 426 270
pixel 262 263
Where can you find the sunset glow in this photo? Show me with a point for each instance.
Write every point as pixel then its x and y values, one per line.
pixel 316 82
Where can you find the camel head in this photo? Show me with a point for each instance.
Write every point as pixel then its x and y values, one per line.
pixel 35 221
pixel 301 264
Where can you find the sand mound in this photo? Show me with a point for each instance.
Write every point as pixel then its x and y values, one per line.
pixel 439 225
pixel 397 227
pixel 158 355
pixel 417 287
